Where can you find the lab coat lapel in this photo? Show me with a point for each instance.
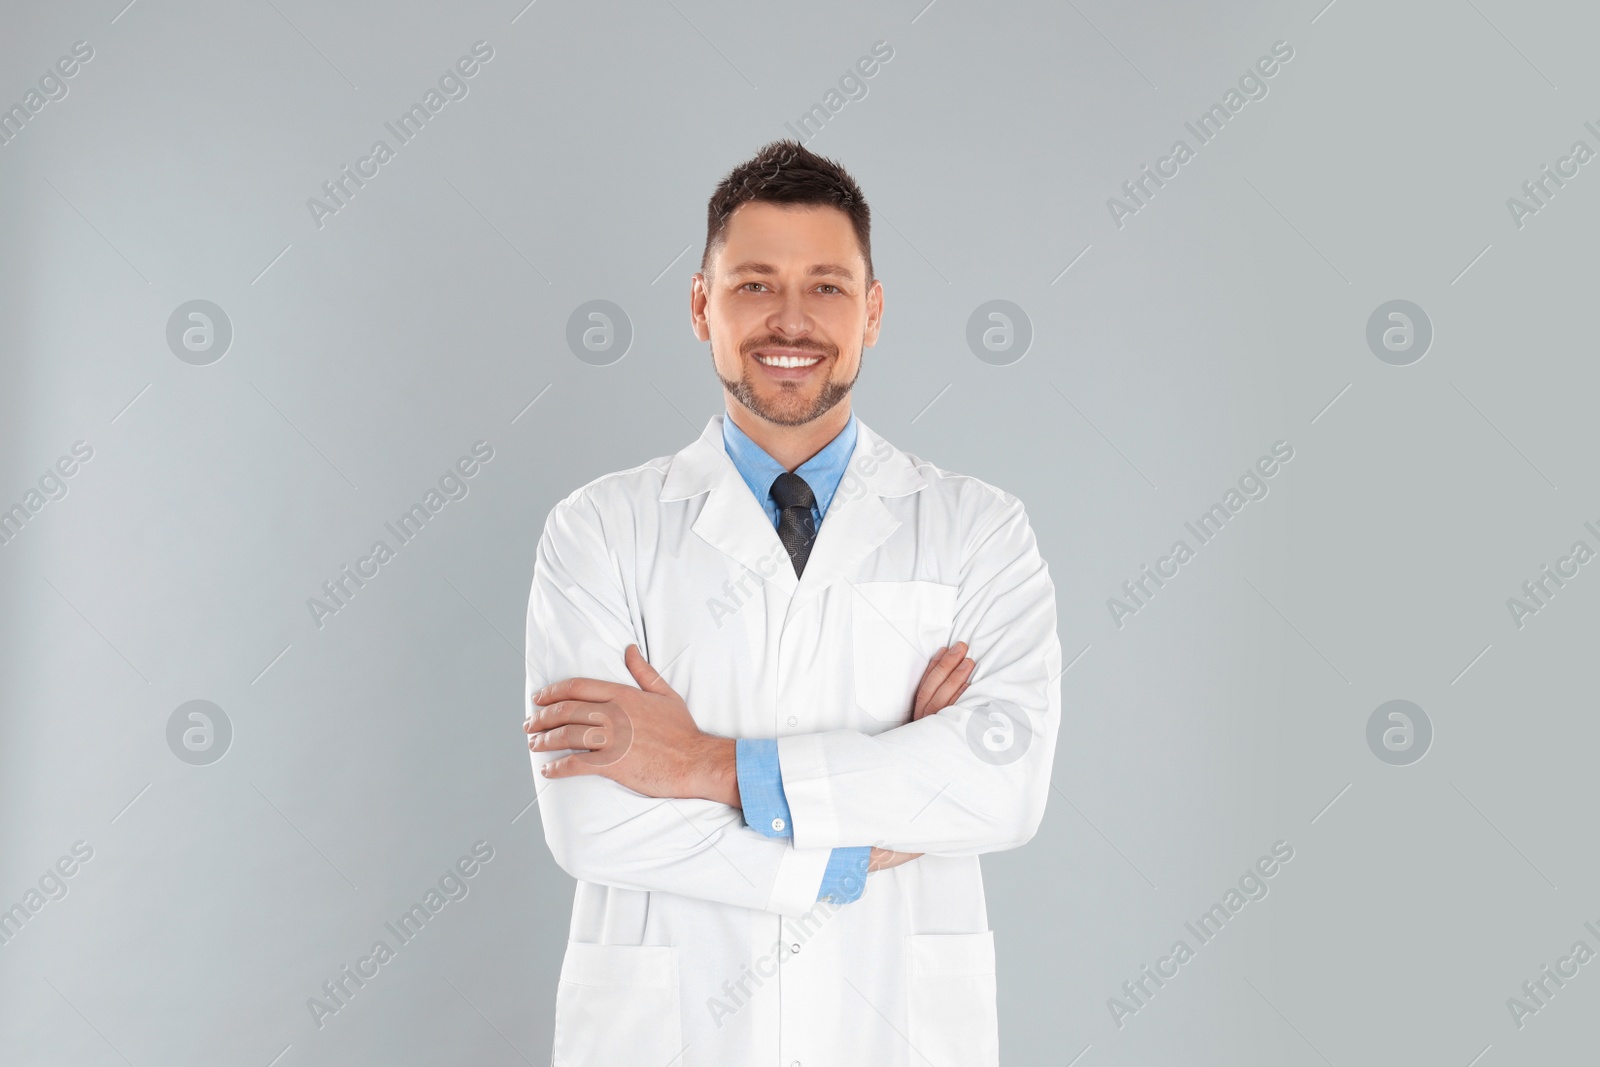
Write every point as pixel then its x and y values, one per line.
pixel 857 521
pixel 850 531
pixel 732 520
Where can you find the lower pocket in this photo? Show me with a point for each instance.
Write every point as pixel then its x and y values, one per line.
pixel 618 1006
pixel 952 1016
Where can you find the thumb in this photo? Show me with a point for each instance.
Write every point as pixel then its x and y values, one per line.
pixel 648 677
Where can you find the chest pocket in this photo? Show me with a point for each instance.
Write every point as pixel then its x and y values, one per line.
pixel 895 628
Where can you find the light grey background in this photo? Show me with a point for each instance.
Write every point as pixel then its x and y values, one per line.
pixel 369 354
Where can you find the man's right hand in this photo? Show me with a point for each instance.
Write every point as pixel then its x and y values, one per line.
pixel 942 685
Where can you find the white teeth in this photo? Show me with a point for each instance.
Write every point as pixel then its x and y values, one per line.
pixel 789 361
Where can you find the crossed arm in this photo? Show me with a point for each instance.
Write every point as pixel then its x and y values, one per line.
pixel 645 738
pixel 650 802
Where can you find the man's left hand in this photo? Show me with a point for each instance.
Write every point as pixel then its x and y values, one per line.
pixel 642 738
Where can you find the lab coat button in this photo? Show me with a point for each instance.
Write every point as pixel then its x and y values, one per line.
pixel 793 721
pixel 777 824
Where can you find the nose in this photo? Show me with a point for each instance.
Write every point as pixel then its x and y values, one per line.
pixel 789 318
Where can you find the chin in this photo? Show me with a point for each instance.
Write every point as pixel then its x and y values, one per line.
pixel 788 413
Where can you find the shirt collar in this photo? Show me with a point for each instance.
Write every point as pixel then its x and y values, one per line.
pixel 822 472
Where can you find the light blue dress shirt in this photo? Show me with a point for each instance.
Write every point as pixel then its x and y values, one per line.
pixel 766 809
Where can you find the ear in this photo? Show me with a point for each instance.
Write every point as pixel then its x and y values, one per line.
pixel 699 297
pixel 874 314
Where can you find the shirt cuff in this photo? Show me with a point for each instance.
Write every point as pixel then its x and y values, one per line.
pixel 845 877
pixel 766 809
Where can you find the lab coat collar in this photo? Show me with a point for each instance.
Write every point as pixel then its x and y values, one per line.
pixel 735 523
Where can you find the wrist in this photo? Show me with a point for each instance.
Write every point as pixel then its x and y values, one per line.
pixel 716 774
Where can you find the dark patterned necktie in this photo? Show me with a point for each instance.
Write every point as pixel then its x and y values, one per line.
pixel 796 528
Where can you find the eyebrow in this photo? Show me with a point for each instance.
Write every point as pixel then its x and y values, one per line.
pixel 817 271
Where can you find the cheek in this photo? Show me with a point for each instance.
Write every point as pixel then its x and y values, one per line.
pixel 727 324
pixel 846 329
pixel 725 349
pixel 848 363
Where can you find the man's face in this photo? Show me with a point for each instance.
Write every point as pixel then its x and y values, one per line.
pixel 787 309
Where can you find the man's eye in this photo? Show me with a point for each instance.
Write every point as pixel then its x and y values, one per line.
pixel 747 285
pixel 829 285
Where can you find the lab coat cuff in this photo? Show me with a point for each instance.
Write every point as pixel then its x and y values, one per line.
pixel 803 765
pixel 794 891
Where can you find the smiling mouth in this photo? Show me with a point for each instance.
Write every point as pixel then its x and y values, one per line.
pixel 787 362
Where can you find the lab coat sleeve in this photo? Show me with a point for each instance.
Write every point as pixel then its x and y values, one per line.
pixel 598 831
pixel 974 777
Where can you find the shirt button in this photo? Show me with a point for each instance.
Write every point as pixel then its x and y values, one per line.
pixel 777 824
pixel 794 948
pixel 793 721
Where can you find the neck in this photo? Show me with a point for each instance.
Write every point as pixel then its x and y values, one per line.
pixel 790 445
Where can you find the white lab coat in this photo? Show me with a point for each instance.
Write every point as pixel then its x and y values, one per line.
pixel 695 941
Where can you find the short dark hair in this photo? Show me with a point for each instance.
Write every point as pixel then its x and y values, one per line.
pixel 786 172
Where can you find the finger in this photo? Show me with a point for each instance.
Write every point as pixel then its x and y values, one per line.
pixel 951 658
pixel 958 680
pixel 945 695
pixel 925 688
pixel 939 690
pixel 617 728
pixel 926 671
pixel 592 689
pixel 566 767
pixel 890 859
pixel 941 662
pixel 562 738
pixel 564 713
pixel 939 668
pixel 648 677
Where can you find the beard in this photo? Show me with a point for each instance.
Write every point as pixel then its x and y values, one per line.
pixel 789 407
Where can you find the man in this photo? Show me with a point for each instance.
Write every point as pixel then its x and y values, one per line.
pixel 731 699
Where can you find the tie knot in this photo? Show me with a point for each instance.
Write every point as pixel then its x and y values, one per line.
pixel 789 490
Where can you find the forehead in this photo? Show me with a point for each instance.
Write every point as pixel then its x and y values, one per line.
pixel 790 235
